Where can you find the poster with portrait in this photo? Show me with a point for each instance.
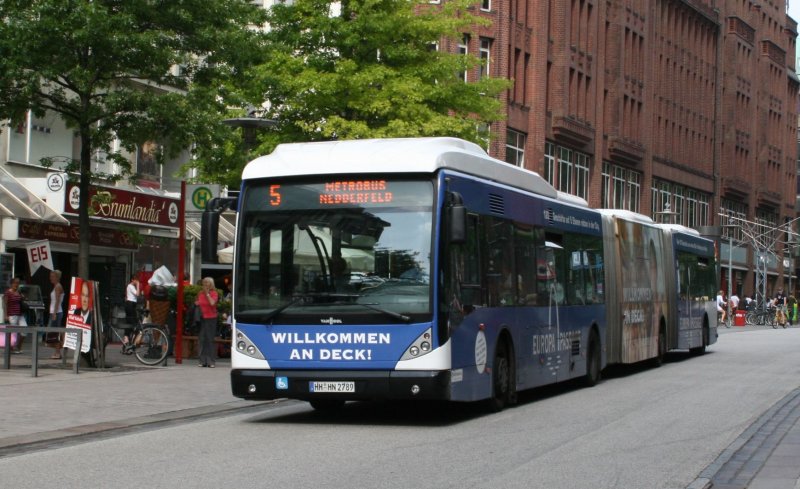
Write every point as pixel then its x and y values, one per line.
pixel 80 313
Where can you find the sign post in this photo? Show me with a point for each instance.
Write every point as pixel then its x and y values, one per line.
pixel 181 273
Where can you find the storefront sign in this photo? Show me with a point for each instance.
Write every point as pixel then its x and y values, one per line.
pixel 39 255
pixel 111 238
pixel 125 206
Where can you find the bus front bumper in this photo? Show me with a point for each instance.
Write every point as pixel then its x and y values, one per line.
pixel 367 385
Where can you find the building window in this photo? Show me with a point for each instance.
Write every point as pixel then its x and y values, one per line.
pixel 570 172
pixel 621 188
pixel 515 147
pixel 672 203
pixel 564 170
pixel 634 190
pixel 147 156
pixel 486 57
pixel 486 5
pixel 463 49
pixel 549 162
pixel 581 175
pixel 766 224
pixel 733 214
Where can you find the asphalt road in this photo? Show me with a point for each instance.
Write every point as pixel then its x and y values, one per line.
pixel 639 428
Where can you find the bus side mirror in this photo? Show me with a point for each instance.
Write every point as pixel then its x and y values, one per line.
pixel 209 234
pixel 209 227
pixel 458 223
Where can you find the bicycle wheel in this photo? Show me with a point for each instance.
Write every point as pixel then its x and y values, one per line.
pixel 153 347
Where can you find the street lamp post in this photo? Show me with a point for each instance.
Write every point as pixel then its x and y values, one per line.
pixel 730 265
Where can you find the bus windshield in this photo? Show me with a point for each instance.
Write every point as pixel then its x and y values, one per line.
pixel 336 251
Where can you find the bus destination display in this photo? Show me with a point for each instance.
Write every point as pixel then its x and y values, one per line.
pixel 343 192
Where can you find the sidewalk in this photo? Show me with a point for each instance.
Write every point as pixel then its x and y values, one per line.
pixel 766 454
pixel 59 404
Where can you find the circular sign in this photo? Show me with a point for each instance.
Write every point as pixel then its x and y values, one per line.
pixel 480 352
pixel 75 197
pixel 200 198
pixel 172 212
pixel 55 182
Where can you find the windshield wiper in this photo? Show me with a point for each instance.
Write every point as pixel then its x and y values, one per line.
pixel 396 315
pixel 273 314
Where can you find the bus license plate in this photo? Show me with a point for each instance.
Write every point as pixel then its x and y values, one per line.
pixel 331 386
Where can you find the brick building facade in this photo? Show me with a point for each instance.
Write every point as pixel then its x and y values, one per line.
pixel 679 109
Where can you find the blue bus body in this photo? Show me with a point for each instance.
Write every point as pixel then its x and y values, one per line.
pixel 423 269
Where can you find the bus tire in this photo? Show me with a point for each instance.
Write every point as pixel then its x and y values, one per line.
pixel 502 378
pixel 593 373
pixel 661 347
pixel 326 405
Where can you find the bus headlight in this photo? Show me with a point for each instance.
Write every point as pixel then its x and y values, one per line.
pixel 246 347
pixel 419 347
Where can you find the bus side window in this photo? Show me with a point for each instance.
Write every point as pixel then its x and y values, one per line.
pixel 501 279
pixel 470 281
pixel 551 270
pixel 525 260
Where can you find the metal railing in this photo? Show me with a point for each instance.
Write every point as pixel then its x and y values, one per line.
pixel 8 330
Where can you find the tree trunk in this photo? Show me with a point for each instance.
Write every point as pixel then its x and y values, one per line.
pixel 83 207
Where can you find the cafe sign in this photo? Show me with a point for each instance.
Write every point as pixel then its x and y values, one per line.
pixel 113 238
pixel 115 204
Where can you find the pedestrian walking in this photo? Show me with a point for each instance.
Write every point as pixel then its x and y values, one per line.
pixel 780 304
pixel 734 301
pixel 132 292
pixel 207 300
pixel 56 313
pixel 13 306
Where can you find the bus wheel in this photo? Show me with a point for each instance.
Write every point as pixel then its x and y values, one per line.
pixel 592 376
pixel 501 379
pixel 326 404
pixel 662 348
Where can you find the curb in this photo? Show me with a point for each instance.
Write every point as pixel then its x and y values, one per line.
pixel 760 438
pixel 17 445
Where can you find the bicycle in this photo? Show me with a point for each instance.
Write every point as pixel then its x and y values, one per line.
pixel 761 316
pixel 727 322
pixel 780 318
pixel 148 342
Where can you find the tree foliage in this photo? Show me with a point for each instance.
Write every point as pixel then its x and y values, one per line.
pixel 371 68
pixel 106 67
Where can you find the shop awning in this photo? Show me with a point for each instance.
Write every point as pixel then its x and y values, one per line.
pixel 18 202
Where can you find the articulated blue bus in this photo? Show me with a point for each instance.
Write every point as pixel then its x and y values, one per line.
pixel 425 269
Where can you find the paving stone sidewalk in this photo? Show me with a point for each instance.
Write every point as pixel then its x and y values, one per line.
pixel 59 404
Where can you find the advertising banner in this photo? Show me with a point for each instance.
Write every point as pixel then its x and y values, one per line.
pixel 80 313
pixel 39 255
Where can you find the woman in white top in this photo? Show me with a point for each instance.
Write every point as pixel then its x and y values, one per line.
pixel 56 309
pixel 721 305
pixel 131 298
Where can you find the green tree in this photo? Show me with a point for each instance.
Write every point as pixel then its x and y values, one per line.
pixel 371 68
pixel 107 68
